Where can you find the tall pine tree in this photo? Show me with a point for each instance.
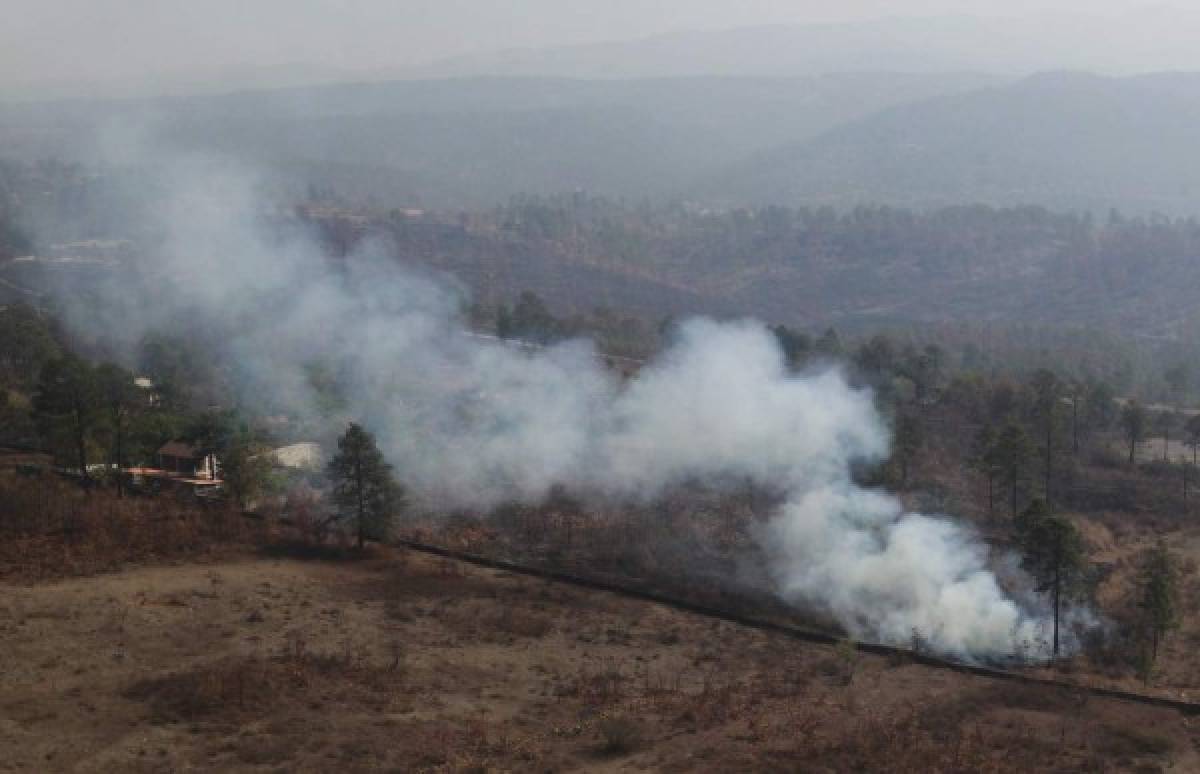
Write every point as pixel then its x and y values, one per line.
pixel 365 493
pixel 1159 602
pixel 67 405
pixel 1052 553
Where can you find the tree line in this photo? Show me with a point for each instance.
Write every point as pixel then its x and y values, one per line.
pixel 1026 441
pixel 99 419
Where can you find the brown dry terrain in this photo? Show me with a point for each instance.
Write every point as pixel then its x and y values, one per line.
pixel 406 663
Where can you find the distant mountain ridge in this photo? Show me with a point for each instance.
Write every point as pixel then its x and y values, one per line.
pixel 477 141
pixel 1149 39
pixel 1063 140
pixel 1146 40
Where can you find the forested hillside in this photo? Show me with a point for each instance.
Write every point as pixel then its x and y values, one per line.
pixel 870 265
pixel 865 267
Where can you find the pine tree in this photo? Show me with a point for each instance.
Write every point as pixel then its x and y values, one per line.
pixel 829 344
pixel 910 437
pixel 1011 455
pixel 67 405
pixel 1076 391
pixel 1193 436
pixel 1046 392
pixel 1133 420
pixel 1099 408
pixel 986 460
pixel 1052 553
pixel 1191 440
pixel 1164 421
pixel 119 398
pixel 1159 601
pixel 247 469
pixel 364 490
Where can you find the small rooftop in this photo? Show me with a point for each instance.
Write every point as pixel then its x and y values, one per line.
pixel 180 449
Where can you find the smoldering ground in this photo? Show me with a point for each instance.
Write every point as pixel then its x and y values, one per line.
pixel 470 423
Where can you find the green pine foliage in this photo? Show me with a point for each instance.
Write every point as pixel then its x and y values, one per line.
pixel 1159 598
pixel 1052 552
pixel 365 493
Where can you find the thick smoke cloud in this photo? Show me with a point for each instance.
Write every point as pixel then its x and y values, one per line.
pixel 889 575
pixel 472 423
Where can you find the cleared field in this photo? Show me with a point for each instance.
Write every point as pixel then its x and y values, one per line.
pixel 408 663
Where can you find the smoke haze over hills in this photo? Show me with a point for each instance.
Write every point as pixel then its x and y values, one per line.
pixel 680 110
pixel 1067 141
pixel 122 48
pixel 475 424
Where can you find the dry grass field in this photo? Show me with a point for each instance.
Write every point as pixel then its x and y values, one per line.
pixel 407 663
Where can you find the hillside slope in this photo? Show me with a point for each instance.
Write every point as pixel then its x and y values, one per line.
pixel 422 666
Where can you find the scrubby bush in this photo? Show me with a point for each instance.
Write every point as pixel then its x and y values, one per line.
pixel 50 528
pixel 843 663
pixel 621 734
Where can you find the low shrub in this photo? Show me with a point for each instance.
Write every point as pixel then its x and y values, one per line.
pixel 620 734
pixel 52 528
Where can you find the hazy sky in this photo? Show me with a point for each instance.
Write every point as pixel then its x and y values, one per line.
pixel 99 41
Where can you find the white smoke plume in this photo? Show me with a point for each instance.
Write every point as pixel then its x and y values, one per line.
pixel 473 423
